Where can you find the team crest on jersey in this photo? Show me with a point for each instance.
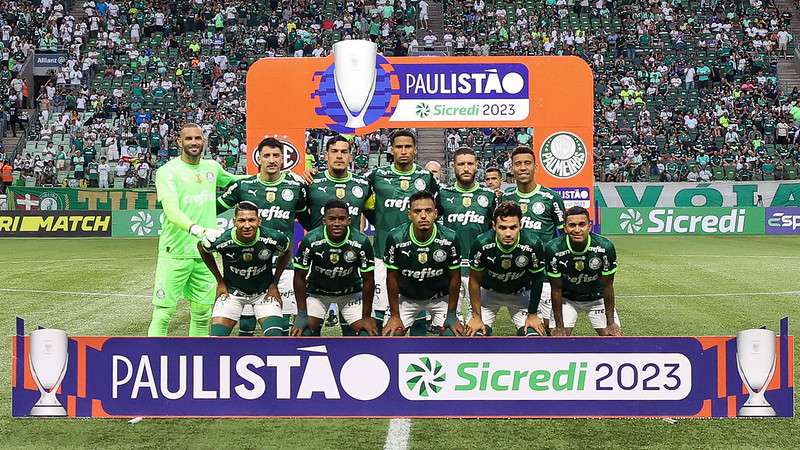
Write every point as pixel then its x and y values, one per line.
pixel 523 207
pixel 264 254
pixel 420 184
pixel 161 294
pixel 483 201
pixel 422 257
pixel 521 261
pixel 287 195
pixel 466 201
pixel 404 184
pixel 210 177
pixel 505 264
pixel 198 178
pixel 439 255
pixel 349 256
pixel 538 208
pixel 270 196
pixel 594 263
pixel 340 193
pixel 247 257
pixel 579 266
pixel 334 258
pixel 357 191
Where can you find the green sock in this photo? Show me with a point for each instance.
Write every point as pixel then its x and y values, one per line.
pixel 247 325
pixel 200 319
pixel 160 321
pixel 308 332
pixel 489 330
pixel 286 324
pixel 347 330
pixel 220 330
pixel 272 326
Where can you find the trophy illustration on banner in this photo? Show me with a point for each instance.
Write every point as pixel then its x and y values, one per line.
pixel 755 359
pixel 48 363
pixel 354 76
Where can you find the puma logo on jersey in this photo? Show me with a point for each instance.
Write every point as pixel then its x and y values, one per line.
pixel 491 258
pixel 323 189
pixel 252 192
pixel 319 254
pixel 407 253
pixel 451 199
pixel 230 255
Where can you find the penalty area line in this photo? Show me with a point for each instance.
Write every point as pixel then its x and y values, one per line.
pixel 398 435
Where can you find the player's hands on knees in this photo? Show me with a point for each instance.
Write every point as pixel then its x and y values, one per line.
pixel 300 323
pixel 222 290
pixel 613 330
pixel 533 321
pixel 558 331
pixel 365 324
pixel 394 327
pixel 453 324
pixel 475 325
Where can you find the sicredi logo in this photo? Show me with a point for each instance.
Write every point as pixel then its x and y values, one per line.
pixel 544 376
pixel 291 156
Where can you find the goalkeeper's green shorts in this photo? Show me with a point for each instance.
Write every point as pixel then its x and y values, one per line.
pixel 186 278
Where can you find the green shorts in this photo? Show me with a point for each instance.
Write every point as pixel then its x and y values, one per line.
pixel 187 278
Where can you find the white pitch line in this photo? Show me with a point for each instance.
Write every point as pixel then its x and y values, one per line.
pixel 398 435
pixel 78 259
pixel 90 294
pixel 721 256
pixel 714 294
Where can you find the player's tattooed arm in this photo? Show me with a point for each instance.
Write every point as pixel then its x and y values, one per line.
pixel 612 329
pixel 557 301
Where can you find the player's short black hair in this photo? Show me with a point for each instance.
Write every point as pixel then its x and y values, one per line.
pixel 463 151
pixel 245 206
pixel 335 204
pixel 335 139
pixel 421 195
pixel 507 209
pixel 523 150
pixel 494 169
pixel 402 133
pixel 269 142
pixel 578 211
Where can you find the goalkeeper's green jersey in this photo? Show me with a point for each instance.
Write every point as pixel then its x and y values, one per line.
pixel 188 195
pixel 580 272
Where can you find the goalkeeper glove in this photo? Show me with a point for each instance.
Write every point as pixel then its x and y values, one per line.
pixel 207 235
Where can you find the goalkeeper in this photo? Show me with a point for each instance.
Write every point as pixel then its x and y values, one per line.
pixel 186 187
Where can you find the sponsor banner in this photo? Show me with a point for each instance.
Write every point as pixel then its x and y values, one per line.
pixel 391 377
pixel 43 63
pixel 682 220
pixel 577 196
pixel 740 194
pixel 783 221
pixel 55 223
pixel 148 222
pixel 51 199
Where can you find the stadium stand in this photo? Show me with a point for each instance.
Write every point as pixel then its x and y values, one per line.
pixel 679 84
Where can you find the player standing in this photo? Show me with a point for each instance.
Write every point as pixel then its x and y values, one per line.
pixel 542 209
pixel 422 270
pixel 493 179
pixel 334 264
pixel 581 267
pixel 507 268
pixel 248 251
pixel 186 187
pixel 279 196
pixel 392 187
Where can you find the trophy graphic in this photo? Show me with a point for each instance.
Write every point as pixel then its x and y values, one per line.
pixel 354 77
pixel 48 363
pixel 755 359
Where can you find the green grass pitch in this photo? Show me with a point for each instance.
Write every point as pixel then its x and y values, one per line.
pixel 701 285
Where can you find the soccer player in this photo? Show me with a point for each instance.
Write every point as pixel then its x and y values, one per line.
pixel 334 264
pixel 337 182
pixel 248 251
pixel 581 266
pixel 186 187
pixel 542 209
pixel 507 268
pixel 422 270
pixel 493 179
pixel 466 208
pixel 392 187
pixel 279 195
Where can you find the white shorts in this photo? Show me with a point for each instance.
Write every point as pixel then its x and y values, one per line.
pixel 492 301
pixel 349 306
pixel 545 304
pixel 232 306
pixel 286 288
pixel 409 308
pixel 381 299
pixel 596 312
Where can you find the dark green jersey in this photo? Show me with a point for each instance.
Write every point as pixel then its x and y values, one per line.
pixel 334 268
pixel 423 268
pixel 392 189
pixel 507 270
pixel 248 268
pixel 468 212
pixel 278 201
pixel 352 189
pixel 542 210
pixel 580 272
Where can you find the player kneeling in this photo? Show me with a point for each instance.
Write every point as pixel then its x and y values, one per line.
pixel 422 270
pixel 334 264
pixel 247 251
pixel 506 269
pixel 581 267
